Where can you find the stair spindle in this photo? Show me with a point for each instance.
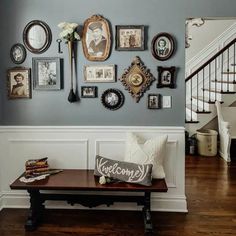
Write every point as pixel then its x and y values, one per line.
pixel 191 100
pixel 234 64
pixel 228 70
pixel 197 93
pixel 222 75
pixel 209 99
pixel 215 77
pixel 203 76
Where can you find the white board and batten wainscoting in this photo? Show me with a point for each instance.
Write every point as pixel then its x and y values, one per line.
pixel 72 147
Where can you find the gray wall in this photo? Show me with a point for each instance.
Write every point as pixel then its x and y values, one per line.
pixel 52 107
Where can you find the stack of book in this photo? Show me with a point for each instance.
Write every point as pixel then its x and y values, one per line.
pixel 36 167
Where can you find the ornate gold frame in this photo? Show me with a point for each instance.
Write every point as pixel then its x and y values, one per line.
pixel 104 22
pixel 137 79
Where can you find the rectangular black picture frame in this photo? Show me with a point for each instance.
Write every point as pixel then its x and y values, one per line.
pixel 154 101
pixel 166 77
pixel 88 91
pixel 128 37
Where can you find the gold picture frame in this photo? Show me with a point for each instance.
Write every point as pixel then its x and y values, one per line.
pixel 19 83
pixel 96 38
pixel 137 79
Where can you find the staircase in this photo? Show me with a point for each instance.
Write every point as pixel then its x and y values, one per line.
pixel 215 80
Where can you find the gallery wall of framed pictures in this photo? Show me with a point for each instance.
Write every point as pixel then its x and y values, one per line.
pixel 97 39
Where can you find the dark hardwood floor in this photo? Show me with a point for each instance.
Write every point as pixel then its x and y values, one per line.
pixel 211 195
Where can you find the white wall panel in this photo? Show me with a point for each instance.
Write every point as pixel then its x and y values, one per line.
pixel 76 147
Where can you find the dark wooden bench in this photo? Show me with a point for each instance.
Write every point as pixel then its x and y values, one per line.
pixel 80 181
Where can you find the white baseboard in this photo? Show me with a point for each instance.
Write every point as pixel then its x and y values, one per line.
pixel 165 204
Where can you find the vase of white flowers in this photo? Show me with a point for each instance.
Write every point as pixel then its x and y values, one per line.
pixel 71 36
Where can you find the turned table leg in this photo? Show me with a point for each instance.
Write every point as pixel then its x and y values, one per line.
pixel 147 213
pixel 35 211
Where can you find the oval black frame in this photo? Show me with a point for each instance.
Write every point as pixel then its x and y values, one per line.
pixel 47 32
pixel 23 51
pixel 120 96
pixel 172 49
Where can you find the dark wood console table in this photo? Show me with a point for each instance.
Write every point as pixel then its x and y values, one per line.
pixel 84 180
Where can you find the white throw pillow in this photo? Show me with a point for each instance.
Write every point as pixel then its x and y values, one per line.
pixel 151 151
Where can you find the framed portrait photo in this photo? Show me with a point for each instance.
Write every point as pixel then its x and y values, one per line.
pixel 88 91
pixel 18 53
pixel 163 46
pixel 19 83
pixel 112 99
pixel 166 77
pixel 129 37
pixel 96 38
pixel 99 73
pixel 47 73
pixel 153 101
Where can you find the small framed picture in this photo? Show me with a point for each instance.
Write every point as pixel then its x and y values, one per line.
pixel 47 73
pixel 99 73
pixel 154 101
pixel 129 37
pixel 163 46
pixel 19 83
pixel 18 53
pixel 88 91
pixel 112 99
pixel 166 77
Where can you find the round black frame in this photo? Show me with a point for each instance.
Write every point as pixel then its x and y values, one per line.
pixel 120 96
pixel 23 52
pixel 154 49
pixel 47 32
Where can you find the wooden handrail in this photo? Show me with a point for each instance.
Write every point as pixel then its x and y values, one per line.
pixel 211 59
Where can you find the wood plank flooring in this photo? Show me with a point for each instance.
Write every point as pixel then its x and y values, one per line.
pixel 211 195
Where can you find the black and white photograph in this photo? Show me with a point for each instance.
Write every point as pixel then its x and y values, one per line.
pixel 163 46
pixel 88 91
pixel 18 53
pixel 166 77
pixel 154 101
pixel 47 73
pixel 112 99
pixel 19 83
pixel 99 73
pixel 97 38
pixel 129 37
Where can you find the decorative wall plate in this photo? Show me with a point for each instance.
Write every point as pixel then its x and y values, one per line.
pixel 137 79
pixel 112 99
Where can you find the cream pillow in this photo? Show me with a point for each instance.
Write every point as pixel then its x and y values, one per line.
pixel 151 151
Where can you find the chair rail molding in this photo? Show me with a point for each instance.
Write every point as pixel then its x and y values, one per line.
pixel 76 147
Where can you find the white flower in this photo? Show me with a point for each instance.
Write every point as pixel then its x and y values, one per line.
pixel 102 180
pixel 69 31
pixel 76 35
pixel 63 34
pixel 62 25
pixel 73 25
